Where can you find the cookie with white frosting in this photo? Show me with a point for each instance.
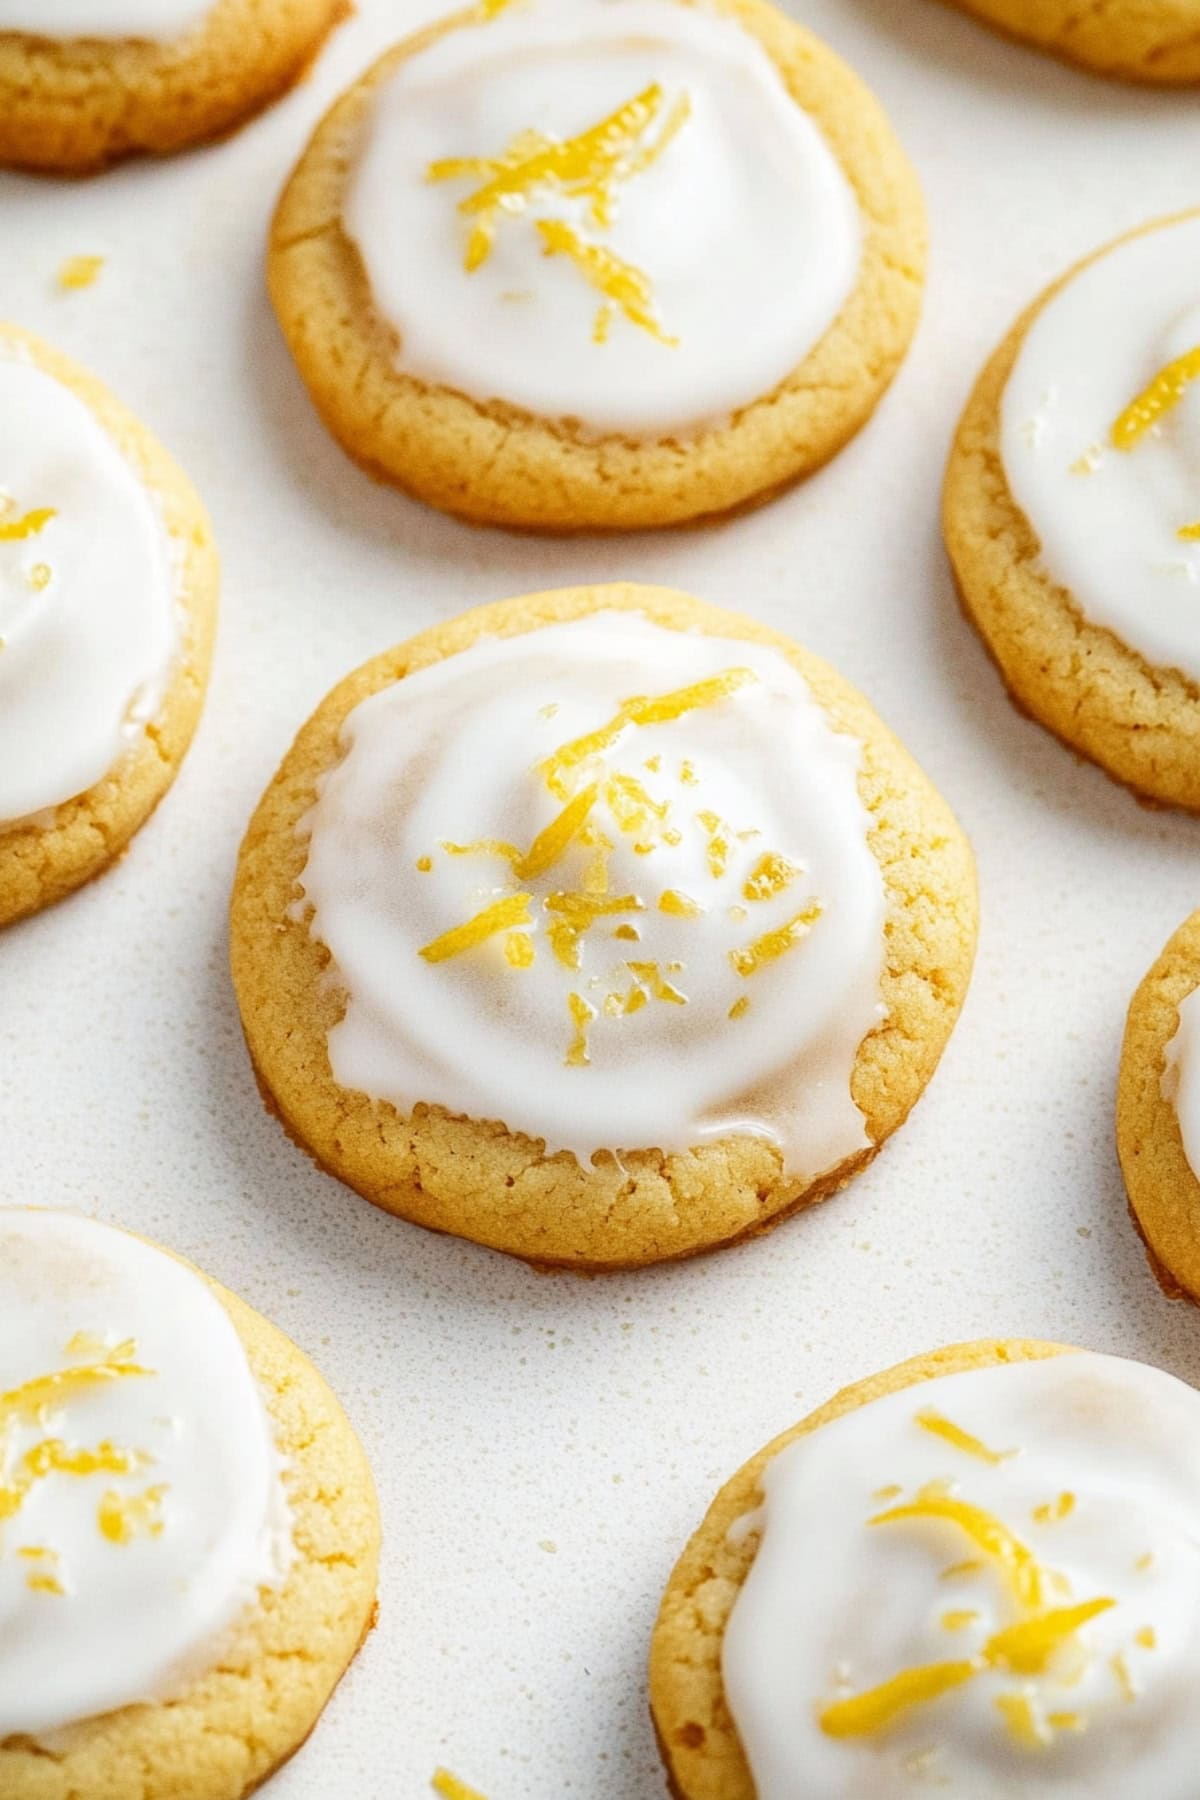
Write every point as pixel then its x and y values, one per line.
pixel 977 1575
pixel 188 1529
pixel 108 603
pixel 1151 41
pixel 84 83
pixel 1158 1111
pixel 1072 509
pixel 601 927
pixel 600 264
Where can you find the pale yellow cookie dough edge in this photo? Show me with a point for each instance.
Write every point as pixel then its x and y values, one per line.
pixel 74 106
pixel 231 1728
pixel 1140 723
pixel 1164 1195
pixel 41 863
pixel 480 1181
pixel 1151 42
pixel 494 464
pixel 696 1733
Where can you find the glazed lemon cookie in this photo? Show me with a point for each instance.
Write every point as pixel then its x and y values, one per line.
pixel 190 1534
pixel 977 1574
pixel 1072 509
pixel 600 927
pixel 108 600
pixel 86 82
pixel 567 265
pixel 1156 41
pixel 1158 1111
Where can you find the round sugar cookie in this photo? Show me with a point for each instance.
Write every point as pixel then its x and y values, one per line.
pixel 108 606
pixel 1153 41
pixel 565 267
pixel 601 927
pixel 99 80
pixel 1072 509
pixel 191 1535
pixel 976 1573
pixel 1158 1112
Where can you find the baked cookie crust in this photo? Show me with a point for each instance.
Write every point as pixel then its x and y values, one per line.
pixel 1151 41
pixel 42 862
pixel 478 1180
pixel 494 464
pixel 73 106
pixel 696 1733
pixel 1164 1195
pixel 1139 722
pixel 233 1727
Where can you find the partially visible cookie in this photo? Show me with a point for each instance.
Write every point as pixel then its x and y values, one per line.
pixel 1158 1111
pixel 1072 509
pixel 1154 41
pixel 191 1535
pixel 84 83
pixel 975 1574
pixel 573 267
pixel 601 927
pixel 108 603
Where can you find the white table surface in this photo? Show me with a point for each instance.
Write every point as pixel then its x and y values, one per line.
pixel 543 1445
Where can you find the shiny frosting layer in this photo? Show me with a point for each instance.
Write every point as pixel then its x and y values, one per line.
pixel 1101 442
pixel 89 595
pixel 141 1502
pixel 152 21
pixel 1181 1077
pixel 603 211
pixel 608 884
pixel 984 1586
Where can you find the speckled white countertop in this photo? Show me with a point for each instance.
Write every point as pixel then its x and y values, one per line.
pixel 544 1444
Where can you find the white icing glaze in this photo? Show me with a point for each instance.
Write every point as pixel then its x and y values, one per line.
pixel 154 21
pixel 449 754
pixel 834 1606
pixel 1181 1077
pixel 1108 519
pixel 745 225
pixel 135 1619
pixel 84 659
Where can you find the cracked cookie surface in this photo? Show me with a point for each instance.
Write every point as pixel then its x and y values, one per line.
pixel 231 1727
pixel 75 105
pixel 492 463
pixel 477 1179
pixel 42 860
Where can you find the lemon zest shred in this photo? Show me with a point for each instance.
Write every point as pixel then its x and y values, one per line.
pixel 749 958
pixel 122 1516
pixel 1053 1510
pixel 652 979
pixel 484 847
pixel 771 874
pixel 28 525
pixel 1024 1727
pixel 622 283
pixel 1155 401
pixel 518 950
pixel 1027 1647
pixel 582 1016
pixel 79 272
pixel 958 1618
pixel 738 1010
pixel 864 1714
pixel 502 915
pixel 951 1433
pixel 443 1782
pixel 1146 1638
pixel 1190 533
pixel 680 906
pixel 1016 1561
pixel 643 709
pixel 553 843
pixel 45 1392
pixel 564 942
